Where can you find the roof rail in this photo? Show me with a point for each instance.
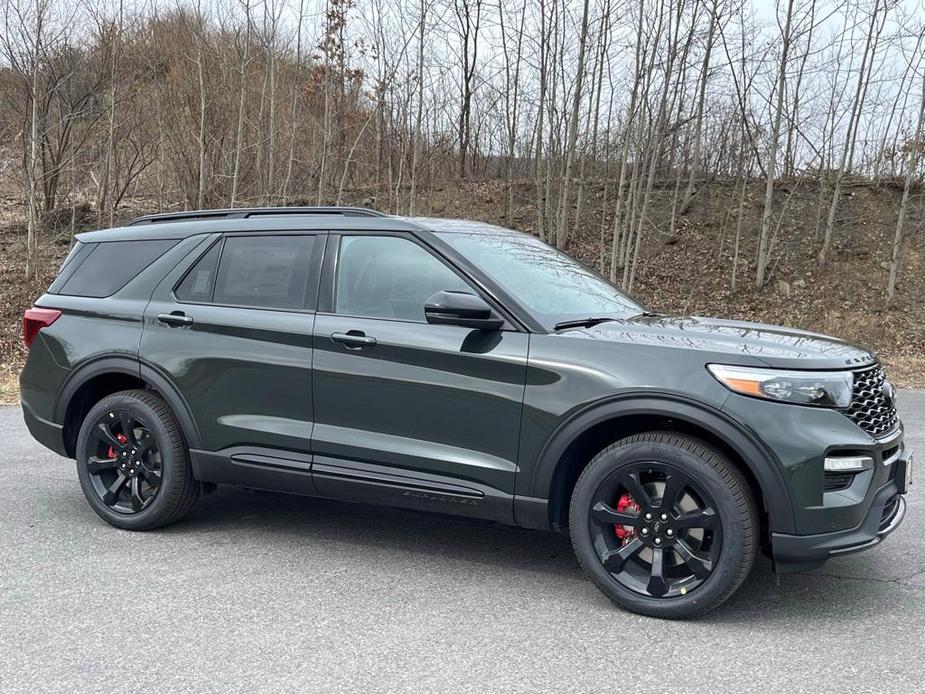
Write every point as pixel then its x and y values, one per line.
pixel 249 212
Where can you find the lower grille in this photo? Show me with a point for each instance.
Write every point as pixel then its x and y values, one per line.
pixel 889 510
pixel 872 407
pixel 836 481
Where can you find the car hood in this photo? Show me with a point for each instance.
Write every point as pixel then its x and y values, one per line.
pixel 758 343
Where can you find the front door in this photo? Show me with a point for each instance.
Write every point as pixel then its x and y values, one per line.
pixel 408 413
pixel 233 334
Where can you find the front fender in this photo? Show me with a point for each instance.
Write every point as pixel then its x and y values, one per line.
pixel 742 440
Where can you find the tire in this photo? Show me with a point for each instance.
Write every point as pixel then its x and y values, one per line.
pixel 141 480
pixel 706 547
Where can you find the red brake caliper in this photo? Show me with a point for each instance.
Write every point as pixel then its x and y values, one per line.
pixel 626 504
pixel 112 453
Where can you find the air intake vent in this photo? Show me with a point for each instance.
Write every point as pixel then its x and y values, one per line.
pixel 836 481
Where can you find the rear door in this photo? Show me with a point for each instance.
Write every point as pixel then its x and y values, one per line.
pixel 233 333
pixel 408 413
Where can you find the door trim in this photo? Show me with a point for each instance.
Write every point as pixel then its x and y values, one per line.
pixel 260 468
pixel 291 472
pixel 380 485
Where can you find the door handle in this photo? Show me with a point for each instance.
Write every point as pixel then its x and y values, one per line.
pixel 353 339
pixel 175 318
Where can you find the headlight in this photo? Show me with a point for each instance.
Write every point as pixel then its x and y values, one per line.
pixel 820 388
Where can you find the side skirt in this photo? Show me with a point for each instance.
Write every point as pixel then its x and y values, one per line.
pixel 259 468
pixel 350 480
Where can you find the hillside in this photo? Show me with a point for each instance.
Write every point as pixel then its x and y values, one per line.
pixel 688 272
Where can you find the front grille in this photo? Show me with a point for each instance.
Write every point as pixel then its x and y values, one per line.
pixel 870 408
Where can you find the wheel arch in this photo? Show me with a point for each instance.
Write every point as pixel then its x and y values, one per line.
pixel 575 442
pixel 92 381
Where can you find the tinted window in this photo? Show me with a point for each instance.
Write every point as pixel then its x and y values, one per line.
pixel 542 278
pixel 75 257
pixel 198 283
pixel 111 265
pixel 76 250
pixel 389 277
pixel 265 271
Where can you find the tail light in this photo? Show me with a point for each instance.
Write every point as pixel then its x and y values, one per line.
pixel 34 319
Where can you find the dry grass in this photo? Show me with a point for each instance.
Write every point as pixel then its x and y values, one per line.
pixel 9 386
pixel 907 372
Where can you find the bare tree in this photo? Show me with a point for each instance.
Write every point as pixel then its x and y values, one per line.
pixel 914 149
pixel 764 238
pixel 562 226
pixel 469 17
pixel 511 98
pixel 875 27
pixel 701 101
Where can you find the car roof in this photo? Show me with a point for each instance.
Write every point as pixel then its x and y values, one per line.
pixel 460 226
pixel 268 223
pixel 269 219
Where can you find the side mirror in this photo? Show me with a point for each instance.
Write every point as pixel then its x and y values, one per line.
pixel 461 308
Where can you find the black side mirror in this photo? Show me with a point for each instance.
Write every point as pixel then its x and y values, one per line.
pixel 461 308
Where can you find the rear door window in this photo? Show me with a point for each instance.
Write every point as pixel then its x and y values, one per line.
pixel 266 272
pixel 110 265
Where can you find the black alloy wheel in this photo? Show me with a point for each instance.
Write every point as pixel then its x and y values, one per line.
pixel 124 461
pixel 655 529
pixel 664 524
pixel 133 462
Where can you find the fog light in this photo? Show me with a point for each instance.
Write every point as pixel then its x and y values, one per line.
pixel 849 463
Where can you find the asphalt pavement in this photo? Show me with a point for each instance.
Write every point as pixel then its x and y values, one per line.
pixel 268 592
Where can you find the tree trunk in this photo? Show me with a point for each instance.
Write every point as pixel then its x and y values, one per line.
pixel 242 92
pixel 419 113
pixel 765 231
pixel 32 173
pixel 540 112
pixel 847 157
pixel 701 98
pixel 912 163
pixel 562 226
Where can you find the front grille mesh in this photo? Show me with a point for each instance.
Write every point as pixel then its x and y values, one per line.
pixel 870 409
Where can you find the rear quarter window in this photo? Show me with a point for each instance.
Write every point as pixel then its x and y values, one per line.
pixel 110 265
pixel 199 281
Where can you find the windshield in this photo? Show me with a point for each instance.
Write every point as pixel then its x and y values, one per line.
pixel 552 285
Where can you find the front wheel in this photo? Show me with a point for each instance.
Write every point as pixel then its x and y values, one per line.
pixel 133 463
pixel 664 525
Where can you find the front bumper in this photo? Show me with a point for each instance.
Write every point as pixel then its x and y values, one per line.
pixel 888 509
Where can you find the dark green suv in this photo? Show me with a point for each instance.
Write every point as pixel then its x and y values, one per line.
pixel 459 368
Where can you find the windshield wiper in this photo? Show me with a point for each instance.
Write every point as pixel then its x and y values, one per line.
pixel 582 322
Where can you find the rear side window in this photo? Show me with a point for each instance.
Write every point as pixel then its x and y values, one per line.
pixel 76 250
pixel 110 266
pixel 264 271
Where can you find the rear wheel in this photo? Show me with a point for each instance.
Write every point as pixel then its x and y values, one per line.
pixel 133 463
pixel 664 525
